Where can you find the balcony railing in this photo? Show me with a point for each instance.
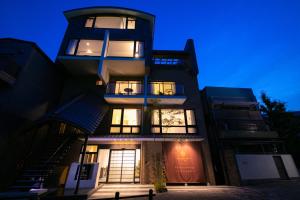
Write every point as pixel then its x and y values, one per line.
pixel 125 88
pixel 165 89
pixel 243 125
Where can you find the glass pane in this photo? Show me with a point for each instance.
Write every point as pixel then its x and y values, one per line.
pixel 172 117
pixel 169 88
pixel 115 129
pixel 90 47
pixel 155 117
pixel 71 47
pixel 139 49
pixel 155 88
pixel 132 117
pixel 155 130
pixel 192 130
pixel 137 164
pixel 91 148
pixel 116 117
pixel 190 117
pixel 173 130
pixel 126 129
pixel 110 22
pixel 89 22
pixel 135 129
pixel 131 23
pixel 120 48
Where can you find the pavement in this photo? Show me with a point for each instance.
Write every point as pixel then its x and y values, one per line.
pixel 279 190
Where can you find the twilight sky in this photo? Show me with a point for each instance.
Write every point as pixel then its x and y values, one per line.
pixel 239 43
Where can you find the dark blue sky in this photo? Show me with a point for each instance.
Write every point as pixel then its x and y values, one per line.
pixel 241 43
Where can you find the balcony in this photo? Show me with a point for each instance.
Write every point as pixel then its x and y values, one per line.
pixel 125 92
pixel 245 129
pixel 165 93
pixel 104 57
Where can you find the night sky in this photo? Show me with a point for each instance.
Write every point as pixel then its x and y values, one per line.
pixel 242 43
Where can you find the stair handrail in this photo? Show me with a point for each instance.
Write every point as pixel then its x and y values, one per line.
pixel 58 149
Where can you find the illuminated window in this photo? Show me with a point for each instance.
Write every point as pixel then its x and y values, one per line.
pixel 89 22
pixel 110 22
pixel 166 61
pixel 173 121
pixel 89 48
pixel 91 154
pixel 125 121
pixel 125 49
pixel 163 88
pixel 128 87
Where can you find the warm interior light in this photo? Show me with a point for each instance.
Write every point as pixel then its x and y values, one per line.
pixel 89 51
pixel 136 55
pixel 88 44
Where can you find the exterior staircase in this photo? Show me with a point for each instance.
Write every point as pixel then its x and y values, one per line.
pixel 42 167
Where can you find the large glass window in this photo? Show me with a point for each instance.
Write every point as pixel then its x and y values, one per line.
pixel 125 49
pixel 110 22
pixel 173 121
pixel 89 48
pixel 126 121
pixel 84 47
pixel 163 88
pixel 128 87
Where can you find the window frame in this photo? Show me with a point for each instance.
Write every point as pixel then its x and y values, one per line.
pixel 160 126
pixel 89 153
pixel 121 125
pixel 126 23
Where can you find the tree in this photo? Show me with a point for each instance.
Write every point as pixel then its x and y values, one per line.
pixel 285 123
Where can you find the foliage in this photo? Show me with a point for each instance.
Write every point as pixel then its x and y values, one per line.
pixel 285 123
pixel 159 174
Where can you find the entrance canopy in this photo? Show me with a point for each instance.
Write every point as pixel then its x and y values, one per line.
pixel 84 112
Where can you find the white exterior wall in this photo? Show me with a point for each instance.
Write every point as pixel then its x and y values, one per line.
pixel 262 166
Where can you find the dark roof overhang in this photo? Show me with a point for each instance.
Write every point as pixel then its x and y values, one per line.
pixel 84 112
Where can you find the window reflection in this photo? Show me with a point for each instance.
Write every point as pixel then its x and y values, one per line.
pixel 173 121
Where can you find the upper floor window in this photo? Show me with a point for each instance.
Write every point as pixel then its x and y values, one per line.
pixel 163 88
pixel 128 87
pixel 91 154
pixel 125 49
pixel 111 22
pixel 84 47
pixel 173 121
pixel 166 61
pixel 126 121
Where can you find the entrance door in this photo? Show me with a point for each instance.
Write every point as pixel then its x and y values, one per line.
pixel 280 167
pixel 121 167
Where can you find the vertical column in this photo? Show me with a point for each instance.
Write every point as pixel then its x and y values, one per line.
pixel 102 70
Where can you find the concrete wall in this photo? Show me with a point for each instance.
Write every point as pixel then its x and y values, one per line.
pixel 255 167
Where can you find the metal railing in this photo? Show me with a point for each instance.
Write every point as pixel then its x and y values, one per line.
pixel 165 89
pixel 243 125
pixel 125 88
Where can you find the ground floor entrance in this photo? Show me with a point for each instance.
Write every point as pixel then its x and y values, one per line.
pixel 121 166
pixel 179 162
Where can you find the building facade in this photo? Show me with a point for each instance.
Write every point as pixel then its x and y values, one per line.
pixel 244 149
pixel 153 112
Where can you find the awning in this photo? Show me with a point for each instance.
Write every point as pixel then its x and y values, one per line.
pixel 84 112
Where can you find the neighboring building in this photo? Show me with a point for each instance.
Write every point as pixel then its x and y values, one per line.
pixel 29 87
pixel 243 148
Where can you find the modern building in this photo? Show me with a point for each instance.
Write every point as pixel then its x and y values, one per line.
pixel 139 107
pixel 244 149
